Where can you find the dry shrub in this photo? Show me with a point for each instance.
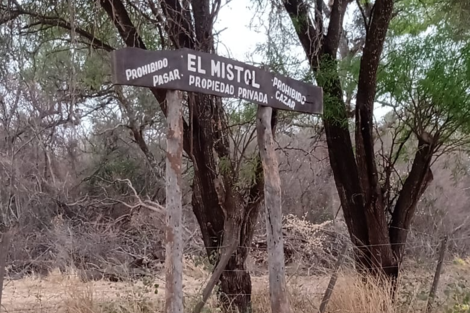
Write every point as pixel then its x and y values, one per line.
pixel 313 247
pixel 80 300
pixel 299 300
pixel 352 293
pixel 140 297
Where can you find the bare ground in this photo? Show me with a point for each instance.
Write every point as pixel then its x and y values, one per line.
pixel 58 291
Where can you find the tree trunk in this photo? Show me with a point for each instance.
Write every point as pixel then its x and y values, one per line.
pixel 235 284
pixel 222 213
pixel 378 249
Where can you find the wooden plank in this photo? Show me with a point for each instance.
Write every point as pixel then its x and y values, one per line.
pixel 272 198
pixel 206 73
pixel 174 211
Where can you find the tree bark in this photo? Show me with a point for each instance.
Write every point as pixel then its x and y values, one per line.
pixel 273 204
pixel 380 249
pixel 222 213
pixel 415 184
pixel 174 211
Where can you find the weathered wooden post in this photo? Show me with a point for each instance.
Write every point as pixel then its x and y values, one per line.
pixel 174 210
pixel 194 71
pixel 272 199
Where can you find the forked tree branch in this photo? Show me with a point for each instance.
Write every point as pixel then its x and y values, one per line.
pixel 148 204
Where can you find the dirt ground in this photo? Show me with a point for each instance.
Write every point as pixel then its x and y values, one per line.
pixel 51 294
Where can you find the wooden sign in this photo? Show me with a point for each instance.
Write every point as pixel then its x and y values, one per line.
pixel 195 71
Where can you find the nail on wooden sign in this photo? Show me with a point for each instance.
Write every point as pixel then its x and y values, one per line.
pixel 206 73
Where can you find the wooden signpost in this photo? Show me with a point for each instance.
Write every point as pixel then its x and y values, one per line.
pixel 190 70
pixel 194 71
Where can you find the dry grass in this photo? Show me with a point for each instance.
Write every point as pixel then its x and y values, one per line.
pixel 66 293
pixel 352 294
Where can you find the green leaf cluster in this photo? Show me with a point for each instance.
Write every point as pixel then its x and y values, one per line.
pixel 426 79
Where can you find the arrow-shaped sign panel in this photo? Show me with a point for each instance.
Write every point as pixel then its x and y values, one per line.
pixel 195 71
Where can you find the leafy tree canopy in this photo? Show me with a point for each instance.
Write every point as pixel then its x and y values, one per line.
pixel 426 80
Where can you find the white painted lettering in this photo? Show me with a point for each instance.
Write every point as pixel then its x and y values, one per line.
pixel 191 62
pixel 229 72
pixel 146 69
pixel 247 77
pixel 239 70
pixel 215 68
pixel 166 77
pixel 198 82
pixel 200 70
pixel 253 82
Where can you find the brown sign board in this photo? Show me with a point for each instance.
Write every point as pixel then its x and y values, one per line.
pixel 206 73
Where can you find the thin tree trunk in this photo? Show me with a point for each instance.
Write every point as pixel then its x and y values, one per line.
pixel 272 196
pixel 174 241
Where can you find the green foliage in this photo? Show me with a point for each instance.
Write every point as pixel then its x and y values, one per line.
pixel 224 165
pixel 95 71
pixel 119 168
pixel 417 16
pixel 247 175
pixel 458 296
pixel 426 80
pixel 120 165
pixel 348 70
pixel 327 77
